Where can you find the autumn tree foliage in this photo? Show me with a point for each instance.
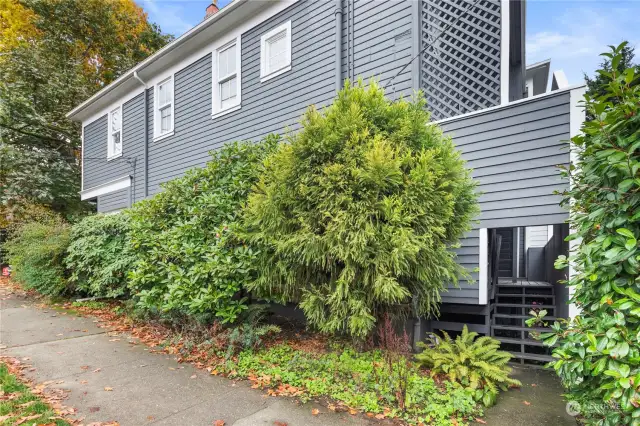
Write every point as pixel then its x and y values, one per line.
pixel 355 216
pixel 54 54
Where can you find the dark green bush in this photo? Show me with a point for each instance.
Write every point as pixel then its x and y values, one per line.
pixel 598 353
pixel 99 257
pixel 357 214
pixel 36 252
pixel 188 260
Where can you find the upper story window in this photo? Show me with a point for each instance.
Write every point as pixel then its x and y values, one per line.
pixel 226 77
pixel 114 145
pixel 163 117
pixel 275 52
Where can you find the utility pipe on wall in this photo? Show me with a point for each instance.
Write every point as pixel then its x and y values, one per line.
pixel 338 16
pixel 146 137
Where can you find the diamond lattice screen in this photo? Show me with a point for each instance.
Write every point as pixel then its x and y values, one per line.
pixel 461 71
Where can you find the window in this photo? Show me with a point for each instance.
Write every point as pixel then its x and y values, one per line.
pixel 114 145
pixel 226 78
pixel 163 118
pixel 275 52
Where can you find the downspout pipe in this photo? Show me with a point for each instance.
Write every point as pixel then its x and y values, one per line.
pixel 145 154
pixel 338 16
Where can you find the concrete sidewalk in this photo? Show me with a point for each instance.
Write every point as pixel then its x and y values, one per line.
pixel 142 388
pixel 110 379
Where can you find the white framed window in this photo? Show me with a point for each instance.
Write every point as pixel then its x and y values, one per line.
pixel 226 77
pixel 114 142
pixel 275 52
pixel 163 115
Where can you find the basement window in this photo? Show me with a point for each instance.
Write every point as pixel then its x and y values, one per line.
pixel 163 117
pixel 275 52
pixel 114 145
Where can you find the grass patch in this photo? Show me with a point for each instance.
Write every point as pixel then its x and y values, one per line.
pixel 366 381
pixel 17 403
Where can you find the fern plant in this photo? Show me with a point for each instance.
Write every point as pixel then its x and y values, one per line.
pixel 477 364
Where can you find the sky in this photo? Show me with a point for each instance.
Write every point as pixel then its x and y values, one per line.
pixel 572 33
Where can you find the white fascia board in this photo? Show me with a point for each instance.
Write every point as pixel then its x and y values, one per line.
pixel 505 42
pixel 510 104
pixel 577 116
pixel 106 188
pixel 483 273
pixel 560 80
pixel 254 13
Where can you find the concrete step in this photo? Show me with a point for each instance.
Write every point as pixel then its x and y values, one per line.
pixel 532 357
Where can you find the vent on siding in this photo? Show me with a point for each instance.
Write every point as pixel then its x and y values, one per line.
pixel 403 36
pixel 461 72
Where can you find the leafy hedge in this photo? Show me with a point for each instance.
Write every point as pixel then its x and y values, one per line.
pixel 99 256
pixel 36 252
pixel 598 353
pixel 356 215
pixel 188 260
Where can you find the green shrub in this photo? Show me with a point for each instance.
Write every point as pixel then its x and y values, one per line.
pixel 598 353
pixel 36 254
pixel 99 256
pixel 356 215
pixel 477 364
pixel 188 260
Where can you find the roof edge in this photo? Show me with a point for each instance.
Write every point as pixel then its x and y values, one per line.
pixel 235 4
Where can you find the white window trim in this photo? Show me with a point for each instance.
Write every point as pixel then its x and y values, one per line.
pixel 263 51
pixel 216 110
pixel 156 109
pixel 111 156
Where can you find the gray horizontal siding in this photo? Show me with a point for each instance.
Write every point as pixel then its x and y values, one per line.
pixel 467 255
pixel 97 170
pixel 381 43
pixel 513 153
pixel 269 107
pixel 116 200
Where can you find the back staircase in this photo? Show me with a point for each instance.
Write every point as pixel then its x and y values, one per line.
pixel 513 297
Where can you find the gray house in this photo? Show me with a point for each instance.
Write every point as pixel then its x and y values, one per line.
pixel 253 67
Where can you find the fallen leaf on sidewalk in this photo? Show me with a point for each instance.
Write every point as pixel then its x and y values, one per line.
pixel 479 420
pixel 151 418
pixel 26 419
pixel 526 402
pixel 97 370
pixel 277 423
pixel 84 367
pixel 194 376
pixel 83 382
pixel 108 389
pixel 218 423
pixel 94 409
pixel 353 412
pixel 315 411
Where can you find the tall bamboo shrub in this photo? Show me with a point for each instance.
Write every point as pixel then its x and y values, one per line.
pixel 356 215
